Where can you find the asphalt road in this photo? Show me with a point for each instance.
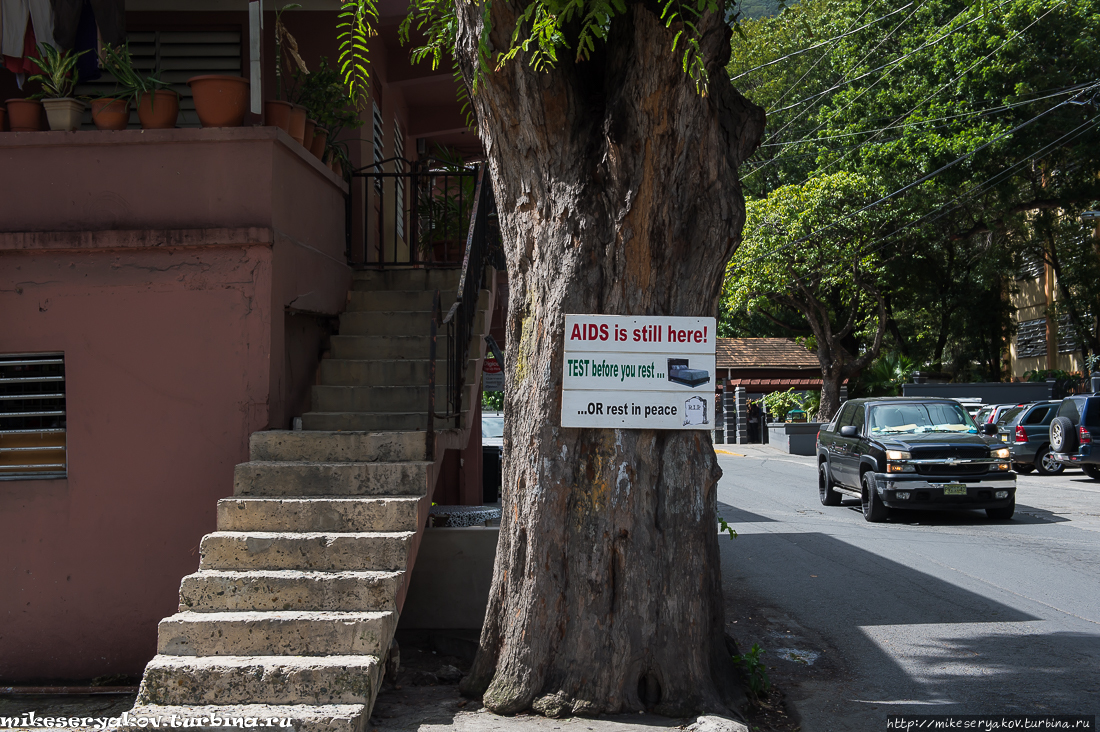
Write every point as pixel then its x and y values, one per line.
pixel 929 613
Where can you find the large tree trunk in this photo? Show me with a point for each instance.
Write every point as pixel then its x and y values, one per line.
pixel 616 186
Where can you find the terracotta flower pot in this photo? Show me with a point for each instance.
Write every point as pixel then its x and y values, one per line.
pixel 159 110
pixel 307 137
pixel 220 101
pixel 277 114
pixel 25 115
pixel 320 137
pixel 111 114
pixel 64 113
pixel 298 123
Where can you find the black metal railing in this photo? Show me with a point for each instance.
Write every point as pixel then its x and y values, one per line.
pixel 433 331
pixel 410 213
pixel 482 248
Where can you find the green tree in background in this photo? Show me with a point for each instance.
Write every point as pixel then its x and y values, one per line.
pixel 988 103
pixel 825 271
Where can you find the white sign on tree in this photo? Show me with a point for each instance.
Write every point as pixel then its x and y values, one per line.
pixel 644 372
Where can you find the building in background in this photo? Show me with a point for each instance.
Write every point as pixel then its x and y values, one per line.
pixel 165 295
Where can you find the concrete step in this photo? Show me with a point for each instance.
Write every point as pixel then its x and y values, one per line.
pixel 335 447
pixel 268 590
pixel 384 513
pixel 388 347
pixel 379 372
pixel 260 680
pixel 377 398
pixel 444 280
pixel 397 322
pixel 320 718
pixel 398 300
pixel 281 633
pixel 271 478
pixel 388 322
pixel 329 552
pixel 359 421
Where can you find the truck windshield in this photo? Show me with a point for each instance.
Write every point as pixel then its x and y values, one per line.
pixel 895 419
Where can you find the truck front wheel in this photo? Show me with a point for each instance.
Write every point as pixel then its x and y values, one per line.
pixel 873 510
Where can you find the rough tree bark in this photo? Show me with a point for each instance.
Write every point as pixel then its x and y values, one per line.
pixel 617 191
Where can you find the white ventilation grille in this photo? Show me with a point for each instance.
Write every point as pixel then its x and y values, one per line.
pixel 399 167
pixel 379 155
pixel 32 416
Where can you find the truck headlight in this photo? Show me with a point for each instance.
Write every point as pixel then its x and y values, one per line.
pixel 1002 452
pixel 897 455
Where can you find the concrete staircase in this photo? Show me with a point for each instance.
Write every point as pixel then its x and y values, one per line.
pixel 297 595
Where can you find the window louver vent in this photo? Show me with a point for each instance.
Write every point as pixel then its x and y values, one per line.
pixel 32 416
pixel 1031 338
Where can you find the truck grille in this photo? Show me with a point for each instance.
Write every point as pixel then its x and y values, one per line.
pixel 943 452
pixel 976 469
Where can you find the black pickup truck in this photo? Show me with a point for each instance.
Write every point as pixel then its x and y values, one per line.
pixel 913 453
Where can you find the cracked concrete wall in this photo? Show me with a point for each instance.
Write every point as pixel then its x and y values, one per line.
pixel 167 373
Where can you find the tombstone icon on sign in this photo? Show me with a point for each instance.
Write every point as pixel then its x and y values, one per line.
pixel 695 411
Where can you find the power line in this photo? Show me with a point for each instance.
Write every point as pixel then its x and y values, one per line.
pixel 915 183
pixel 821 58
pixel 974 191
pixel 847 32
pixel 905 115
pixel 988 183
pixel 856 65
pixel 976 113
pixel 896 61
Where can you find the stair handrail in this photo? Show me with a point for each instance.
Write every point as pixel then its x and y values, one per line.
pixel 433 329
pixel 460 317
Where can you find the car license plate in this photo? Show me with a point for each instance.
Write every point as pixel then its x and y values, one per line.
pixel 1004 438
pixel 954 489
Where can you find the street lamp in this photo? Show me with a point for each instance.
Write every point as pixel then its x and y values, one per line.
pixel 1090 215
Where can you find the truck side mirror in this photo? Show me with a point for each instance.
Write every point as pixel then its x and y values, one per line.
pixel 848 431
pixel 989 429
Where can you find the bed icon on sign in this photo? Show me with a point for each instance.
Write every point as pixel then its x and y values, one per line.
pixel 679 373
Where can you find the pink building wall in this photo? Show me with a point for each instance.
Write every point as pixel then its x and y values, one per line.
pixel 178 340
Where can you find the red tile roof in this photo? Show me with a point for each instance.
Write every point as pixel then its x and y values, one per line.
pixel 764 353
pixel 776 384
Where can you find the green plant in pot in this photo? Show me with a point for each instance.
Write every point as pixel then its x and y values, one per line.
pixel 327 102
pixel 278 112
pixel 58 78
pixel 158 106
pixel 445 203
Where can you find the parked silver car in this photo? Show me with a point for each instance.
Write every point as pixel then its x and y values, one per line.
pixel 1026 431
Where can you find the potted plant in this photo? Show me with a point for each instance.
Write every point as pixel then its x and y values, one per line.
pixel 220 101
pixel 111 113
pixel 277 112
pixel 322 94
pixel 24 115
pixel 58 78
pixel 158 107
pixel 444 206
